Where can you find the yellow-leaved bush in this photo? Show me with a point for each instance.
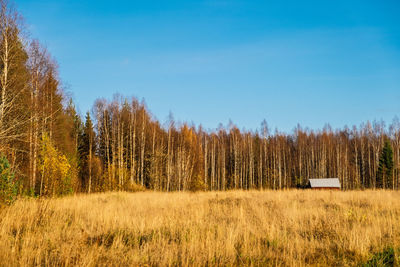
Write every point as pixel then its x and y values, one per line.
pixel 55 170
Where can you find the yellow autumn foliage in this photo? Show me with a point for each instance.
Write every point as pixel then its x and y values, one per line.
pixel 55 170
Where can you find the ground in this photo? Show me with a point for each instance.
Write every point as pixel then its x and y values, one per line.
pixel 284 228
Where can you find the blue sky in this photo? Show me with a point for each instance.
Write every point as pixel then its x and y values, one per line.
pixel 208 62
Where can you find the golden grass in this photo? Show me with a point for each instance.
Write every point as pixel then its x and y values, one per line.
pixel 283 228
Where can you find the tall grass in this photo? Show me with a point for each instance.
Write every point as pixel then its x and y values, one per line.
pixel 283 228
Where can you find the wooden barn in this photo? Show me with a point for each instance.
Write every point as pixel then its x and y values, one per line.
pixel 325 184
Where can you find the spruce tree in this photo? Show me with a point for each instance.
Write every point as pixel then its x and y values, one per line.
pixel 385 169
pixel 87 152
pixel 8 183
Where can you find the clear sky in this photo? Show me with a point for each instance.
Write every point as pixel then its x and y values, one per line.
pixel 208 62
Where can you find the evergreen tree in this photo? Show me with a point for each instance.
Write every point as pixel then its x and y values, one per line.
pixel 87 152
pixel 385 169
pixel 8 184
pixel 73 127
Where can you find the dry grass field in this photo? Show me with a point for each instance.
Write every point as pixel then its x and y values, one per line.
pixel 279 228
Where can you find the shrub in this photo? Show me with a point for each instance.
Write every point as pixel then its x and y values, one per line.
pixel 197 184
pixel 385 258
pixel 134 187
pixel 8 183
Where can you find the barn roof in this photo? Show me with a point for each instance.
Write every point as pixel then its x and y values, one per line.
pixel 325 182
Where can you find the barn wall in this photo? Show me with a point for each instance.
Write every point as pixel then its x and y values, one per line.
pixel 325 188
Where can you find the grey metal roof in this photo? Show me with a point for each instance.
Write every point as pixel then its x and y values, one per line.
pixel 325 182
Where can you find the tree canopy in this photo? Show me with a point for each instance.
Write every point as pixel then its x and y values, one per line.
pixel 119 145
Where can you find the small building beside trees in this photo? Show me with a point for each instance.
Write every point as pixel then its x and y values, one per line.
pixel 325 184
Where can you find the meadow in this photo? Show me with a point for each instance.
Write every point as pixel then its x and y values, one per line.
pixel 234 228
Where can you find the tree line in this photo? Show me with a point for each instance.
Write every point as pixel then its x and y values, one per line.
pixel 48 149
pixel 133 148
